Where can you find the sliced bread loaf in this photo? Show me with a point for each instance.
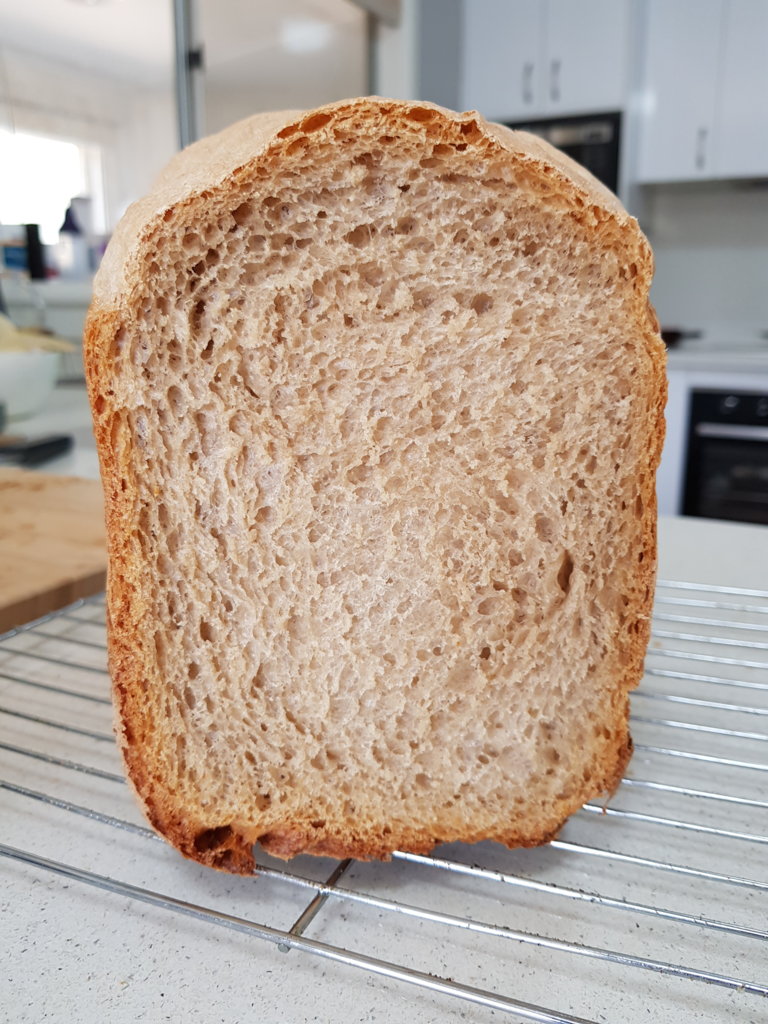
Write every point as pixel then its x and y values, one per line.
pixel 378 397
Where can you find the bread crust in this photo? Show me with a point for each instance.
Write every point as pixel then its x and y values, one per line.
pixel 206 169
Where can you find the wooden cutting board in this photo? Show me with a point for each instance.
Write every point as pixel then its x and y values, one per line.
pixel 52 543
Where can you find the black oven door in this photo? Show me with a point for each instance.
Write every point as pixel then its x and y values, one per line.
pixel 727 464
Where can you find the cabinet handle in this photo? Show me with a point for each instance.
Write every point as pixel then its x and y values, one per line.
pixel 701 148
pixel 528 82
pixel 554 80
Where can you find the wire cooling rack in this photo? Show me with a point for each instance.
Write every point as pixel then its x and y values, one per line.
pixel 654 907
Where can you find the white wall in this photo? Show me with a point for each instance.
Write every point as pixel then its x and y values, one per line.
pixel 280 80
pixel 135 127
pixel 143 145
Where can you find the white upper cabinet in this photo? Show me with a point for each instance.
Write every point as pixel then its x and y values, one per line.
pixel 680 79
pixel 502 72
pixel 741 119
pixel 527 59
pixel 705 88
pixel 587 43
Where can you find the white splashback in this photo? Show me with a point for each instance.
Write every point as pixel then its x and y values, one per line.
pixel 711 247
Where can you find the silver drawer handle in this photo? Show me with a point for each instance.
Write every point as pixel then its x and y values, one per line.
pixel 731 431
pixel 554 80
pixel 701 148
pixel 528 82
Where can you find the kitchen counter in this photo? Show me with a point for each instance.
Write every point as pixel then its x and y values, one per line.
pixel 73 952
pixel 693 356
pixel 66 412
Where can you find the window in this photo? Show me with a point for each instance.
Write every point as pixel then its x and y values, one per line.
pixel 39 176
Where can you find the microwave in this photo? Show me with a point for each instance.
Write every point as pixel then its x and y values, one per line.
pixel 592 140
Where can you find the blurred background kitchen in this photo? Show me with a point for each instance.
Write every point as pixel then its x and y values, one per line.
pixel 665 100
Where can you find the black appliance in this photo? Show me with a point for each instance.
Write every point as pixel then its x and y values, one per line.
pixel 593 140
pixel 727 462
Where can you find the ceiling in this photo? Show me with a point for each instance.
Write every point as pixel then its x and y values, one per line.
pixel 133 39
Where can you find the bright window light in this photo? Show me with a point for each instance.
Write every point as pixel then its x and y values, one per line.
pixel 39 176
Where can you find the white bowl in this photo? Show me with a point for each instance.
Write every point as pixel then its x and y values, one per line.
pixel 26 381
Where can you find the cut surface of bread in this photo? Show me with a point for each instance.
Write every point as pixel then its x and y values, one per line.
pixel 378 396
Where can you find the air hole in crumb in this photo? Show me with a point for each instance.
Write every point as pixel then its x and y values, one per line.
pixel 485 653
pixel 198 312
pixel 359 236
pixel 564 573
pixel 315 122
pixel 481 303
pixel 545 528
pixel 207 632
pixel 421 114
pixel 212 838
pixel 242 213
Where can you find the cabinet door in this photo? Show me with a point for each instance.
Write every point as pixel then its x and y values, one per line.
pixel 587 55
pixel 502 65
pixel 742 111
pixel 680 85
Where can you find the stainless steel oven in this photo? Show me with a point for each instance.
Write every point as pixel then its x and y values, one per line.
pixel 726 474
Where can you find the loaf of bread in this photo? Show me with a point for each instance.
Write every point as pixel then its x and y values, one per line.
pixel 378 397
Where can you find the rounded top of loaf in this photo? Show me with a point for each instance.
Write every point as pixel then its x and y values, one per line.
pixel 196 173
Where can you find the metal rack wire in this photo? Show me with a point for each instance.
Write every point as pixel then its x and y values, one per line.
pixel 655 903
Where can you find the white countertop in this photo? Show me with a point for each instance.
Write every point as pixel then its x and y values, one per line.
pixel 66 412
pixel 74 953
pixel 694 357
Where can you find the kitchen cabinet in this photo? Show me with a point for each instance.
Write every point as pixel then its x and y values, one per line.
pixel 544 58
pixel 680 85
pixel 502 58
pixel 705 79
pixel 742 113
pixel 587 48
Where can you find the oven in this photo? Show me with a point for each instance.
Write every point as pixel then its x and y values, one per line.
pixel 715 459
pixel 726 467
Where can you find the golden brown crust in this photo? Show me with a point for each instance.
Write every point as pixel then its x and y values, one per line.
pixel 201 171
